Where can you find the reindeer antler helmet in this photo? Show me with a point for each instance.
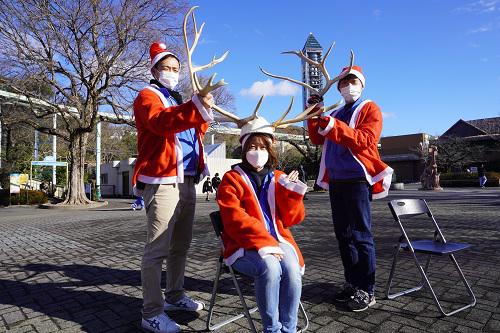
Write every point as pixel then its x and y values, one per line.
pixel 256 123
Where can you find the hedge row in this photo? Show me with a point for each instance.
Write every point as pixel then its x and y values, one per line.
pixel 26 197
pixel 495 182
pixel 467 175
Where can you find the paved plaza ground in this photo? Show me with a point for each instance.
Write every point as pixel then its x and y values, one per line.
pixel 79 271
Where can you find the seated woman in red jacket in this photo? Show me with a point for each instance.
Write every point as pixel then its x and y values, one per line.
pixel 258 204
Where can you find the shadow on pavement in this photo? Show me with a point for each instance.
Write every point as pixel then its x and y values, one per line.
pixel 80 300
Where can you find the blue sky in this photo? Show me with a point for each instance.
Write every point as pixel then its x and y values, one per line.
pixel 427 63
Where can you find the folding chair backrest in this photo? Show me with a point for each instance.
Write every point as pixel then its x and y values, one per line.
pixel 413 207
pixel 216 219
pixel 408 207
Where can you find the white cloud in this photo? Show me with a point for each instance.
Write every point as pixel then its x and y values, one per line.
pixel 484 59
pixel 481 6
pixel 474 45
pixel 388 115
pixel 484 28
pixel 377 13
pixel 268 88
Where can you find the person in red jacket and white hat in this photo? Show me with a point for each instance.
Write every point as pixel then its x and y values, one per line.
pixel 353 172
pixel 169 163
pixel 258 205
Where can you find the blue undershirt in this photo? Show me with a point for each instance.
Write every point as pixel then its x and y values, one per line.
pixel 263 202
pixel 339 161
pixel 189 143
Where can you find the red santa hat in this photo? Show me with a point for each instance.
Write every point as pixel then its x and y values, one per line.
pixel 158 51
pixel 356 71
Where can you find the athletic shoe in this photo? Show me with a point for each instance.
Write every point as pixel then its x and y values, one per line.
pixel 184 304
pixel 160 324
pixel 361 301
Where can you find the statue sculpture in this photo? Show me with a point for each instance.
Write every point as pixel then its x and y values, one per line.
pixel 430 176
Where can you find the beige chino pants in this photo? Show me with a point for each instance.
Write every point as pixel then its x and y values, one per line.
pixel 170 216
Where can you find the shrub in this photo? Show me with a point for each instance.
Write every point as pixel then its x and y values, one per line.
pixel 467 175
pixel 468 182
pixel 26 197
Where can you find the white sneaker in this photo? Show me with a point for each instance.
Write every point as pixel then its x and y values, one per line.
pixel 161 324
pixel 184 304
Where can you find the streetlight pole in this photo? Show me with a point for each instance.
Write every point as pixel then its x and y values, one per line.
pixel 98 161
pixel 54 153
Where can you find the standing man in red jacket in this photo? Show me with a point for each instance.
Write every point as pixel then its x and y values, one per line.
pixel 352 171
pixel 169 163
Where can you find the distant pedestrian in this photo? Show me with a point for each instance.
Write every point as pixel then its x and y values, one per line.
pixel 215 182
pixel 481 172
pixel 207 188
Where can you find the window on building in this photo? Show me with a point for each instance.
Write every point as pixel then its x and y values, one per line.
pixel 104 178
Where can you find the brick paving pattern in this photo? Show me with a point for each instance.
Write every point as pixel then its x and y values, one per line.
pixel 79 271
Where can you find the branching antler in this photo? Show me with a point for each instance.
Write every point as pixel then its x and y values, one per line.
pixel 195 83
pixel 304 115
pixel 189 52
pixel 321 65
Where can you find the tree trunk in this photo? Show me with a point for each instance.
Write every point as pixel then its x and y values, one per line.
pixel 77 151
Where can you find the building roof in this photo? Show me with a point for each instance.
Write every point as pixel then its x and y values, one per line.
pixel 475 127
pixel 312 42
pixel 487 125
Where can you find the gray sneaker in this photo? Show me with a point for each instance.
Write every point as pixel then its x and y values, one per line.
pixel 361 301
pixel 160 324
pixel 184 304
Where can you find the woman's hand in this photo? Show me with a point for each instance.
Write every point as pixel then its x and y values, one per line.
pixel 278 256
pixel 293 176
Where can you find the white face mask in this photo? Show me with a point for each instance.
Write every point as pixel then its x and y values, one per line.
pixel 169 79
pixel 257 158
pixel 351 93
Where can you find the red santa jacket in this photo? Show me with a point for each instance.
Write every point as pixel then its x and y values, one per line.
pixel 160 155
pixel 243 220
pixel 361 137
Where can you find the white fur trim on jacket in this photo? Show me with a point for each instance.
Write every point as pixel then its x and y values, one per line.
pixel 322 168
pixel 298 186
pixel 271 199
pixel 208 115
pixel 328 128
pixel 233 257
pixel 385 175
pixel 156 180
pixel 269 250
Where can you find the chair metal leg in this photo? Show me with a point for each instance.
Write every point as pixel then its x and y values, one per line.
pixel 391 277
pixel 247 312
pixel 306 319
pixel 467 286
pixel 425 281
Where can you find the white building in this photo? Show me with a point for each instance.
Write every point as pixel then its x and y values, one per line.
pixel 116 177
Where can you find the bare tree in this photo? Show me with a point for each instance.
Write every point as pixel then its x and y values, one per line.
pixel 93 54
pixel 455 153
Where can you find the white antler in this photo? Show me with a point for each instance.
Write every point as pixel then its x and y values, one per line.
pixel 190 50
pixel 321 65
pixel 195 83
pixel 304 115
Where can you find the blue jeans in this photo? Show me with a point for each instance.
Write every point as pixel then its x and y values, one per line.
pixel 482 181
pixel 278 285
pixel 351 214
